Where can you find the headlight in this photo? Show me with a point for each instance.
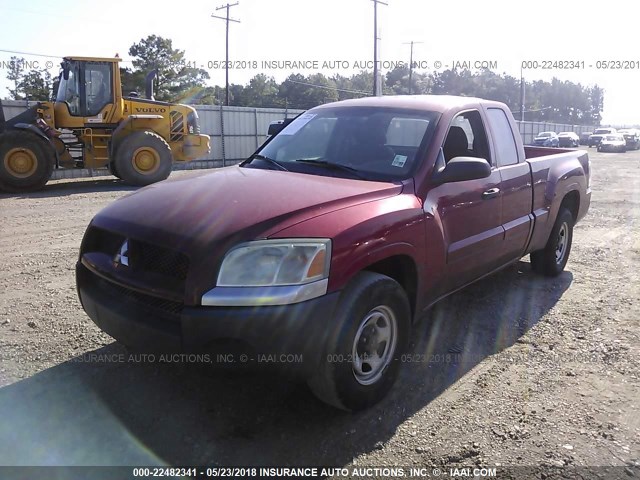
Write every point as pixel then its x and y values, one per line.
pixel 276 262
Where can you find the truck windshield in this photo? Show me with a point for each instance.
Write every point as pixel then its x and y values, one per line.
pixel 369 143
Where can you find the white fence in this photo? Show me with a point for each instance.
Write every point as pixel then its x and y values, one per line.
pixel 528 130
pixel 236 132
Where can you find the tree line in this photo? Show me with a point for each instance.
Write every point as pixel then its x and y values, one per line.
pixel 179 80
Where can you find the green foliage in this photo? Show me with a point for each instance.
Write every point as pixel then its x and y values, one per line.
pixel 36 85
pixel 175 73
pixel 30 85
pixel 16 68
pixel 262 91
pixel 178 80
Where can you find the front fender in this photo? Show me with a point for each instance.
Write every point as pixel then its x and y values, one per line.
pixel 365 234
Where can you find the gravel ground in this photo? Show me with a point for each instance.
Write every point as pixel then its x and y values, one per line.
pixel 516 370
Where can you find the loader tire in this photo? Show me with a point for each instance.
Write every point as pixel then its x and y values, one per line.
pixel 143 158
pixel 26 162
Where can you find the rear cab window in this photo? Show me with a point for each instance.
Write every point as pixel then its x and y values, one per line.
pixel 503 139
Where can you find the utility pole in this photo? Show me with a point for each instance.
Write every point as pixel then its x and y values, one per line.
pixel 521 95
pixel 375 45
pixel 226 66
pixel 411 65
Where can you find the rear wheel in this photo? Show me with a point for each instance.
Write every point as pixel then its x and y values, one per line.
pixel 26 162
pixel 143 158
pixel 361 359
pixel 551 260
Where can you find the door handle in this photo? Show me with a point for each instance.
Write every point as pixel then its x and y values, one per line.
pixel 492 193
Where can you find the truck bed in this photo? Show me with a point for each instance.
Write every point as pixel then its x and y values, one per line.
pixel 554 173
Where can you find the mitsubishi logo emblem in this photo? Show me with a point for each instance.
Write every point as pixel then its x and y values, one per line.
pixel 122 257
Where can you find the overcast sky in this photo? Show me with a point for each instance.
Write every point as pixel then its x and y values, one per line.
pixel 506 33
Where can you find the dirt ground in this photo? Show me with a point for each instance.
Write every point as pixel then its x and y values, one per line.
pixel 516 370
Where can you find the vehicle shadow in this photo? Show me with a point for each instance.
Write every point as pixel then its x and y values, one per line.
pixel 107 408
pixel 75 187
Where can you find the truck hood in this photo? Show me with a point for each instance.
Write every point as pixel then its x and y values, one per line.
pixel 232 204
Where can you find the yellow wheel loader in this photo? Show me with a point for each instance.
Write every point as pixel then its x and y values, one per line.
pixel 92 125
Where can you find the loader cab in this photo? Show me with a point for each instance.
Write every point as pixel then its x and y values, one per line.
pixel 87 91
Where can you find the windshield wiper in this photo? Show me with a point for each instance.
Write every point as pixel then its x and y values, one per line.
pixel 333 166
pixel 270 160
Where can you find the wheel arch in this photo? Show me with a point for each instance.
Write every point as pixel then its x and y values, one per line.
pixel 403 269
pixel 27 127
pixel 571 201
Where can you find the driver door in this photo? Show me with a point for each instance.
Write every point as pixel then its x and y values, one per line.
pixel 470 211
pixel 86 96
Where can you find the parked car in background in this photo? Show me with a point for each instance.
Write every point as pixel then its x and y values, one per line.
pixel 584 138
pixel 612 143
pixel 568 139
pixel 277 125
pixel 594 139
pixel 546 139
pixel 631 137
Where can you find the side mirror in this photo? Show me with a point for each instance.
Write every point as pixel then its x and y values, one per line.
pixel 277 126
pixel 460 169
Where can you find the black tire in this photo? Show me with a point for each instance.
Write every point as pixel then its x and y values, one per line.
pixel 551 260
pixel 143 158
pixel 369 302
pixel 114 170
pixel 26 162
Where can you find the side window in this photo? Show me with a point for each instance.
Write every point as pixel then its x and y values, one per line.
pixel 97 80
pixel 466 137
pixel 506 151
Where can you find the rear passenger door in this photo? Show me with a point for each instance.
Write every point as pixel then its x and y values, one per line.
pixel 516 188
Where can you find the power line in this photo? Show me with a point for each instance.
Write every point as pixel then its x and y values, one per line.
pixel 17 52
pixel 30 53
pixel 359 92
pixel 226 66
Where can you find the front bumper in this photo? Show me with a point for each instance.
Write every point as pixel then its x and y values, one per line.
pixel 290 337
pixel 194 146
pixel 611 148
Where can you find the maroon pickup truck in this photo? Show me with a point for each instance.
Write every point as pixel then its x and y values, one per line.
pixel 322 248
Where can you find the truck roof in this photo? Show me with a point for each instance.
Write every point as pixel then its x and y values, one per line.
pixel 434 103
pixel 94 59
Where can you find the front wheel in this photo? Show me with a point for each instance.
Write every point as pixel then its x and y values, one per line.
pixel 143 158
pixel 551 260
pixel 361 360
pixel 26 162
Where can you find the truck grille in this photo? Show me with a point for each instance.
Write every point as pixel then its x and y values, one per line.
pixel 152 258
pixel 160 305
pixel 143 256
